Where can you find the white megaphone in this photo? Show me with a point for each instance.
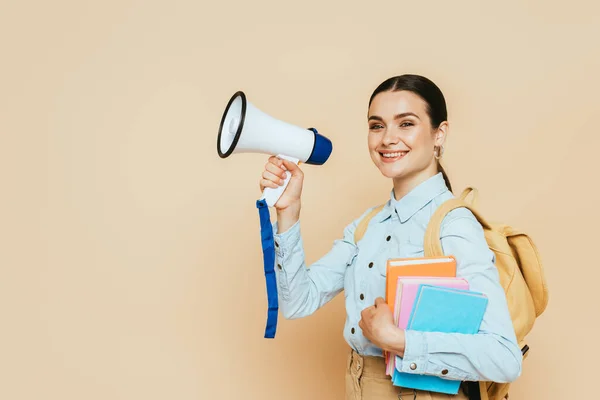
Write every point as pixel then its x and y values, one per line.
pixel 246 129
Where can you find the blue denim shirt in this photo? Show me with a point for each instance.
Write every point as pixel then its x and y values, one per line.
pixel 360 271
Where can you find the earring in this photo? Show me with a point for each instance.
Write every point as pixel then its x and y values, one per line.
pixel 438 151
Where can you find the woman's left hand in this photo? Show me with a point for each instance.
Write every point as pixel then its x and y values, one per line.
pixel 377 325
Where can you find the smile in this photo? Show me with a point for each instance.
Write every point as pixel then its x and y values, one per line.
pixel 391 157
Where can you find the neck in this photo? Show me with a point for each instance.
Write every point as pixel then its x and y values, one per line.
pixel 403 185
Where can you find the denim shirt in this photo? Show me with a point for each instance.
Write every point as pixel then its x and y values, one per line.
pixel 360 271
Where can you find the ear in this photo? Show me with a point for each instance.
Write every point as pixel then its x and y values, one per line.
pixel 441 133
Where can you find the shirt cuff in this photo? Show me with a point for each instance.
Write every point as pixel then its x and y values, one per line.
pixel 419 357
pixel 415 358
pixel 286 241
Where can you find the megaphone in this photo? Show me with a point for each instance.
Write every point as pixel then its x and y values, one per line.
pixel 246 129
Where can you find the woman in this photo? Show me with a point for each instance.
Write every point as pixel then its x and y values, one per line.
pixel 408 125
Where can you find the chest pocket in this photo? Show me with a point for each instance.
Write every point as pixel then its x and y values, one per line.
pixel 380 245
pixel 410 250
pixel 414 244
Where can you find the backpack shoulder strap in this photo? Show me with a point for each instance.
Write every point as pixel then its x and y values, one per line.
pixel 361 228
pixel 431 243
pixel 465 193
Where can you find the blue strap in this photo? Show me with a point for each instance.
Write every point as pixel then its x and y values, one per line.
pixel 266 235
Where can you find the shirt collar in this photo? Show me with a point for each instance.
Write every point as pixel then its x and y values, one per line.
pixel 414 200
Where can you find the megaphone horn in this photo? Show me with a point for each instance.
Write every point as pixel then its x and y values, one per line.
pixel 246 129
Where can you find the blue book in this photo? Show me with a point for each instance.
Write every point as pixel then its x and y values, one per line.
pixel 441 309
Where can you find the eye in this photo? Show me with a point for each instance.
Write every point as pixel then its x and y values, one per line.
pixel 376 126
pixel 406 124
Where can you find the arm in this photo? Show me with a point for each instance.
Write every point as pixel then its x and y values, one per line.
pixel 302 289
pixel 493 353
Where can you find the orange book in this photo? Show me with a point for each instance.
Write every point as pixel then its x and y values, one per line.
pixel 420 266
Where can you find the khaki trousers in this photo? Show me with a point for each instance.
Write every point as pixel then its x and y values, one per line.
pixel 366 380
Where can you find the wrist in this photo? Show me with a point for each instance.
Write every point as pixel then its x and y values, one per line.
pixel 396 341
pixel 288 216
pixel 291 211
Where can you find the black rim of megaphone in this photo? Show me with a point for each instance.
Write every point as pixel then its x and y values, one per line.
pixel 240 127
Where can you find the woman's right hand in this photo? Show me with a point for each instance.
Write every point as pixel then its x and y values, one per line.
pixel 273 176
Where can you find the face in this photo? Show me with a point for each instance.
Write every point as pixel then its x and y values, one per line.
pixel 401 139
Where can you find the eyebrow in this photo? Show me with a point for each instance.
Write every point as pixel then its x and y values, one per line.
pixel 397 116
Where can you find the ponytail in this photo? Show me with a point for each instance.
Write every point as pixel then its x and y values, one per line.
pixel 441 169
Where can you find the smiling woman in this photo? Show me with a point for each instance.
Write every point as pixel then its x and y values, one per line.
pixel 408 125
pixel 407 121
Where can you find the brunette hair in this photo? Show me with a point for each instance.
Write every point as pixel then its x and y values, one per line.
pixel 429 92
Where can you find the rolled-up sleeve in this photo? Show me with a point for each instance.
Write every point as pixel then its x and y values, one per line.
pixel 492 354
pixel 304 289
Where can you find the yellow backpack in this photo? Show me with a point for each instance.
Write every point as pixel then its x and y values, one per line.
pixel 519 266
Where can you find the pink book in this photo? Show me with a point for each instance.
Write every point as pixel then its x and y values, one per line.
pixel 406 292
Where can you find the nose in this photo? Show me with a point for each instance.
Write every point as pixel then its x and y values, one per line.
pixel 390 137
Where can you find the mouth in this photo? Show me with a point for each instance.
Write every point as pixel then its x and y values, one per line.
pixel 389 157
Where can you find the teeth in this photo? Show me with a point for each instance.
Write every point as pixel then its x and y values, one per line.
pixel 392 155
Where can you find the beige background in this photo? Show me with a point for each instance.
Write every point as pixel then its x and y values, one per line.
pixel 125 274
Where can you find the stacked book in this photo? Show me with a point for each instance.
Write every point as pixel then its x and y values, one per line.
pixel 426 295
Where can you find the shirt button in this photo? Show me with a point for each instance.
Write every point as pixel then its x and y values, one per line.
pixel 279 266
pixel 413 366
pixel 362 296
pixel 352 330
pixel 370 265
pixel 444 372
pixel 388 238
pixel 276 244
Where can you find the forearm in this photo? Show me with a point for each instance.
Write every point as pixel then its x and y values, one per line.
pixel 303 290
pixel 477 357
pixel 395 341
pixel 298 294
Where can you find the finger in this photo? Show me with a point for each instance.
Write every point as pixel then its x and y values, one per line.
pixel 291 166
pixel 379 301
pixel 272 177
pixel 264 183
pixel 365 313
pixel 275 170
pixel 276 161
